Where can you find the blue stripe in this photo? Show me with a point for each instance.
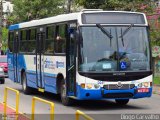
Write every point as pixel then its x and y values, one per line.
pixel 14 27
pixel 45 74
pixel 97 94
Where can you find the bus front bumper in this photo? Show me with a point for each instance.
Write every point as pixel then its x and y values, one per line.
pixel 85 94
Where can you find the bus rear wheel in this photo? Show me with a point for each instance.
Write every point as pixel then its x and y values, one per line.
pixel 122 101
pixel 64 98
pixel 25 88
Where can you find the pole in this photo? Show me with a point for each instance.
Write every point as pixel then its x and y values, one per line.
pixel 1 18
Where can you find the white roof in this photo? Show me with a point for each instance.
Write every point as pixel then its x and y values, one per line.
pixel 66 17
pixel 55 19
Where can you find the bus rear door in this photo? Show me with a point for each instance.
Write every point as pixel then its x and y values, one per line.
pixel 15 56
pixel 40 58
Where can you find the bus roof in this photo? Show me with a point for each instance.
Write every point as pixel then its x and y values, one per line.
pixel 63 18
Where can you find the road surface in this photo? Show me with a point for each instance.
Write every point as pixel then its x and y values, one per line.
pixel 99 110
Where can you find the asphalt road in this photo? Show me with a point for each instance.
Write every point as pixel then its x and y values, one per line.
pixel 99 110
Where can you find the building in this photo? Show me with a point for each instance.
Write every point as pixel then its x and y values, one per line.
pixel 7 9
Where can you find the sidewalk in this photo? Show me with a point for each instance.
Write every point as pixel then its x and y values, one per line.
pixel 11 114
pixel 156 89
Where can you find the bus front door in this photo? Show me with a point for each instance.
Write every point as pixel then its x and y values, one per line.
pixel 71 66
pixel 15 56
pixel 40 59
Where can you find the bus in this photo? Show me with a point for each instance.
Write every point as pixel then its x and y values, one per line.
pixel 87 55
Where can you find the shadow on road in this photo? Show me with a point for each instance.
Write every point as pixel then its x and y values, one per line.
pixel 93 105
pixel 102 105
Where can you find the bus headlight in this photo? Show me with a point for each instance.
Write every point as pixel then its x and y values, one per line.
pixel 144 85
pixel 97 86
pixel 82 85
pixel 90 86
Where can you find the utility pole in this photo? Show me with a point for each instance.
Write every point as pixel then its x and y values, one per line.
pixel 1 19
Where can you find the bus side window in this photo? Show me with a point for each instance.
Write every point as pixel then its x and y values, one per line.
pixel 23 41
pixel 61 35
pixel 10 42
pixel 49 41
pixel 31 40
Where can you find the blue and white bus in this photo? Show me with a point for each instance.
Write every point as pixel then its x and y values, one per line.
pixel 88 55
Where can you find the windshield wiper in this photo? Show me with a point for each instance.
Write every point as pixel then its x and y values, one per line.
pixel 125 32
pixel 105 32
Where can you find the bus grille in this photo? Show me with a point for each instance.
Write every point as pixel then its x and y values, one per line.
pixel 118 95
pixel 115 87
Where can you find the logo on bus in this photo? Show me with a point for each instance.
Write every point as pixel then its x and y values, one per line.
pixel 49 64
pixel 59 64
pixel 119 84
pixel 123 65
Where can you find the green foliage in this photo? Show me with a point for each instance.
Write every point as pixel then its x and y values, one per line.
pixel 129 5
pixel 90 4
pixel 4 38
pixel 157 80
pixel 25 10
pixel 146 6
pixel 155 37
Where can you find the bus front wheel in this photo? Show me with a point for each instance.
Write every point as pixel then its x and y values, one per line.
pixel 26 89
pixel 64 98
pixel 122 101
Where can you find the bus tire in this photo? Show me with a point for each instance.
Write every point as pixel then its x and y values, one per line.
pixel 25 88
pixel 122 101
pixel 64 99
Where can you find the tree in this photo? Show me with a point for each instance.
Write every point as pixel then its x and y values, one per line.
pixel 145 6
pixel 4 38
pixel 129 5
pixel 25 10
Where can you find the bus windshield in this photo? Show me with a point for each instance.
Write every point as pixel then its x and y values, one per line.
pixel 121 52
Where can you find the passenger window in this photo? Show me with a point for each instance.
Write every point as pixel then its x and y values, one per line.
pixel 61 35
pixel 10 42
pixel 49 42
pixel 31 40
pixel 23 41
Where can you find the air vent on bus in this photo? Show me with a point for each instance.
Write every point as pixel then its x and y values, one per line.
pixel 118 95
pixel 116 87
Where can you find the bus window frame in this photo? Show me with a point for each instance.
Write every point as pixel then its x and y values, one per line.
pixel 53 26
pixel 66 36
pixel 20 35
pixel 27 29
pixel 10 41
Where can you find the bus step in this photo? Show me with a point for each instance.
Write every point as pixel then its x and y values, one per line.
pixel 40 90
